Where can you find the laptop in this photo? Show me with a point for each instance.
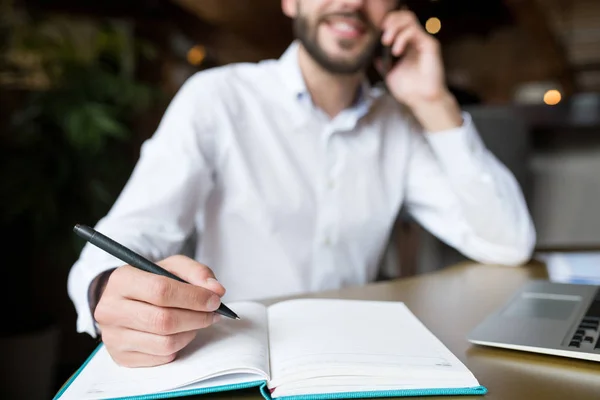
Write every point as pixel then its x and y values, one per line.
pixel 561 319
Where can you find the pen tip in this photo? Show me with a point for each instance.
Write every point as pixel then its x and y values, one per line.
pixel 237 318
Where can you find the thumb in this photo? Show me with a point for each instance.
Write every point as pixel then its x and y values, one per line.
pixel 193 272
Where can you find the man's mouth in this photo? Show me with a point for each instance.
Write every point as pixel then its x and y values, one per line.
pixel 347 28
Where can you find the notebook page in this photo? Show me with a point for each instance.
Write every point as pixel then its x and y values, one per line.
pixel 317 338
pixel 227 347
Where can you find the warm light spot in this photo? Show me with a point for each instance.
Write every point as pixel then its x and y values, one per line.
pixel 552 97
pixel 196 55
pixel 433 25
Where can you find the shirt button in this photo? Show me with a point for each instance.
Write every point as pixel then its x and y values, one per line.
pixel 327 242
pixel 331 184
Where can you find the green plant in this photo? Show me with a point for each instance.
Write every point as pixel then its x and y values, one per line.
pixel 66 153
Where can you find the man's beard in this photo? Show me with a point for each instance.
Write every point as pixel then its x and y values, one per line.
pixel 307 35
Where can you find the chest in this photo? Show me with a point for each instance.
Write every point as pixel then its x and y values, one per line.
pixel 297 173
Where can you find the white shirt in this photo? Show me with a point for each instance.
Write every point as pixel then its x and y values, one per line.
pixel 286 200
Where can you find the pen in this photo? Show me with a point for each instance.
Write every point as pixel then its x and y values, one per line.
pixel 135 260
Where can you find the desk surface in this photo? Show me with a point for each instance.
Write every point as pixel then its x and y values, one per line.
pixel 453 301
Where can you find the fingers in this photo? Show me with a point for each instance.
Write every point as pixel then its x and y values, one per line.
pixel 193 272
pixel 394 23
pixel 132 359
pixel 403 38
pixel 131 283
pixel 149 318
pixel 146 319
pixel 128 340
pixel 401 28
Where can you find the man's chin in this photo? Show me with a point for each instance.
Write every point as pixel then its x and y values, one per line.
pixel 336 59
pixel 351 64
pixel 342 55
pixel 347 52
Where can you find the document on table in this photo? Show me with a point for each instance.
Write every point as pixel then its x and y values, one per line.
pixel 580 267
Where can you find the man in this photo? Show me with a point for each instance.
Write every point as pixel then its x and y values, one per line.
pixel 292 172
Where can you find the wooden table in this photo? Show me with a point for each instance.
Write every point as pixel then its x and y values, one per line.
pixel 453 301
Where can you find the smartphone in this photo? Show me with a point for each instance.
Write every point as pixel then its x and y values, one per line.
pixel 387 60
pixel 385 52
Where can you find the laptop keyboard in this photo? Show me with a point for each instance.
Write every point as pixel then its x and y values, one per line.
pixel 587 335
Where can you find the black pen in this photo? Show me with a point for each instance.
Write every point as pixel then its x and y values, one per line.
pixel 135 260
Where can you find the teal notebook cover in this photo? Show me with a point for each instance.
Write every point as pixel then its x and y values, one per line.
pixel 262 385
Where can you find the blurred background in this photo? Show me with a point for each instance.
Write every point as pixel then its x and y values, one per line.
pixel 83 83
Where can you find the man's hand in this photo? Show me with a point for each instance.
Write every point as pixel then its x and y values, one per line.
pixel 146 319
pixel 417 79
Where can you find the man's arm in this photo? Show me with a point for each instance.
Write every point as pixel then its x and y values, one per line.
pixel 461 193
pixel 456 188
pixel 156 210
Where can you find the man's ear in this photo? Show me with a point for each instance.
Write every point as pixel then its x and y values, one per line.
pixel 289 7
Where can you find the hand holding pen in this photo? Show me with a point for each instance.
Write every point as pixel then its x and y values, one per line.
pixel 147 312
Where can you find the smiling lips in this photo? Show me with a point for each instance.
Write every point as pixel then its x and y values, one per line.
pixel 347 28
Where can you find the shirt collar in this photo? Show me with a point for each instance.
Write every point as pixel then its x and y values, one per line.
pixel 290 70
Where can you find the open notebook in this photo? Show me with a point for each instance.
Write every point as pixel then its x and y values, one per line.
pixel 296 349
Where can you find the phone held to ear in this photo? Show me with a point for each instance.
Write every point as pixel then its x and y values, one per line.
pixel 384 53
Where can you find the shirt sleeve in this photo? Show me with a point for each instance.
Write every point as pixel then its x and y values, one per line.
pixel 466 197
pixel 156 210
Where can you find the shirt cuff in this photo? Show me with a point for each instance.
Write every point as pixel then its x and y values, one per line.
pixel 79 282
pixel 459 150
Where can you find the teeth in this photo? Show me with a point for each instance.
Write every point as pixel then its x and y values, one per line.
pixel 344 27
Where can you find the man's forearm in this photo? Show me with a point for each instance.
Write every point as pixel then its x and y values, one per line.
pixel 438 115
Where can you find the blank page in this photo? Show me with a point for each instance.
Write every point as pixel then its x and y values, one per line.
pixel 316 338
pixel 227 347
